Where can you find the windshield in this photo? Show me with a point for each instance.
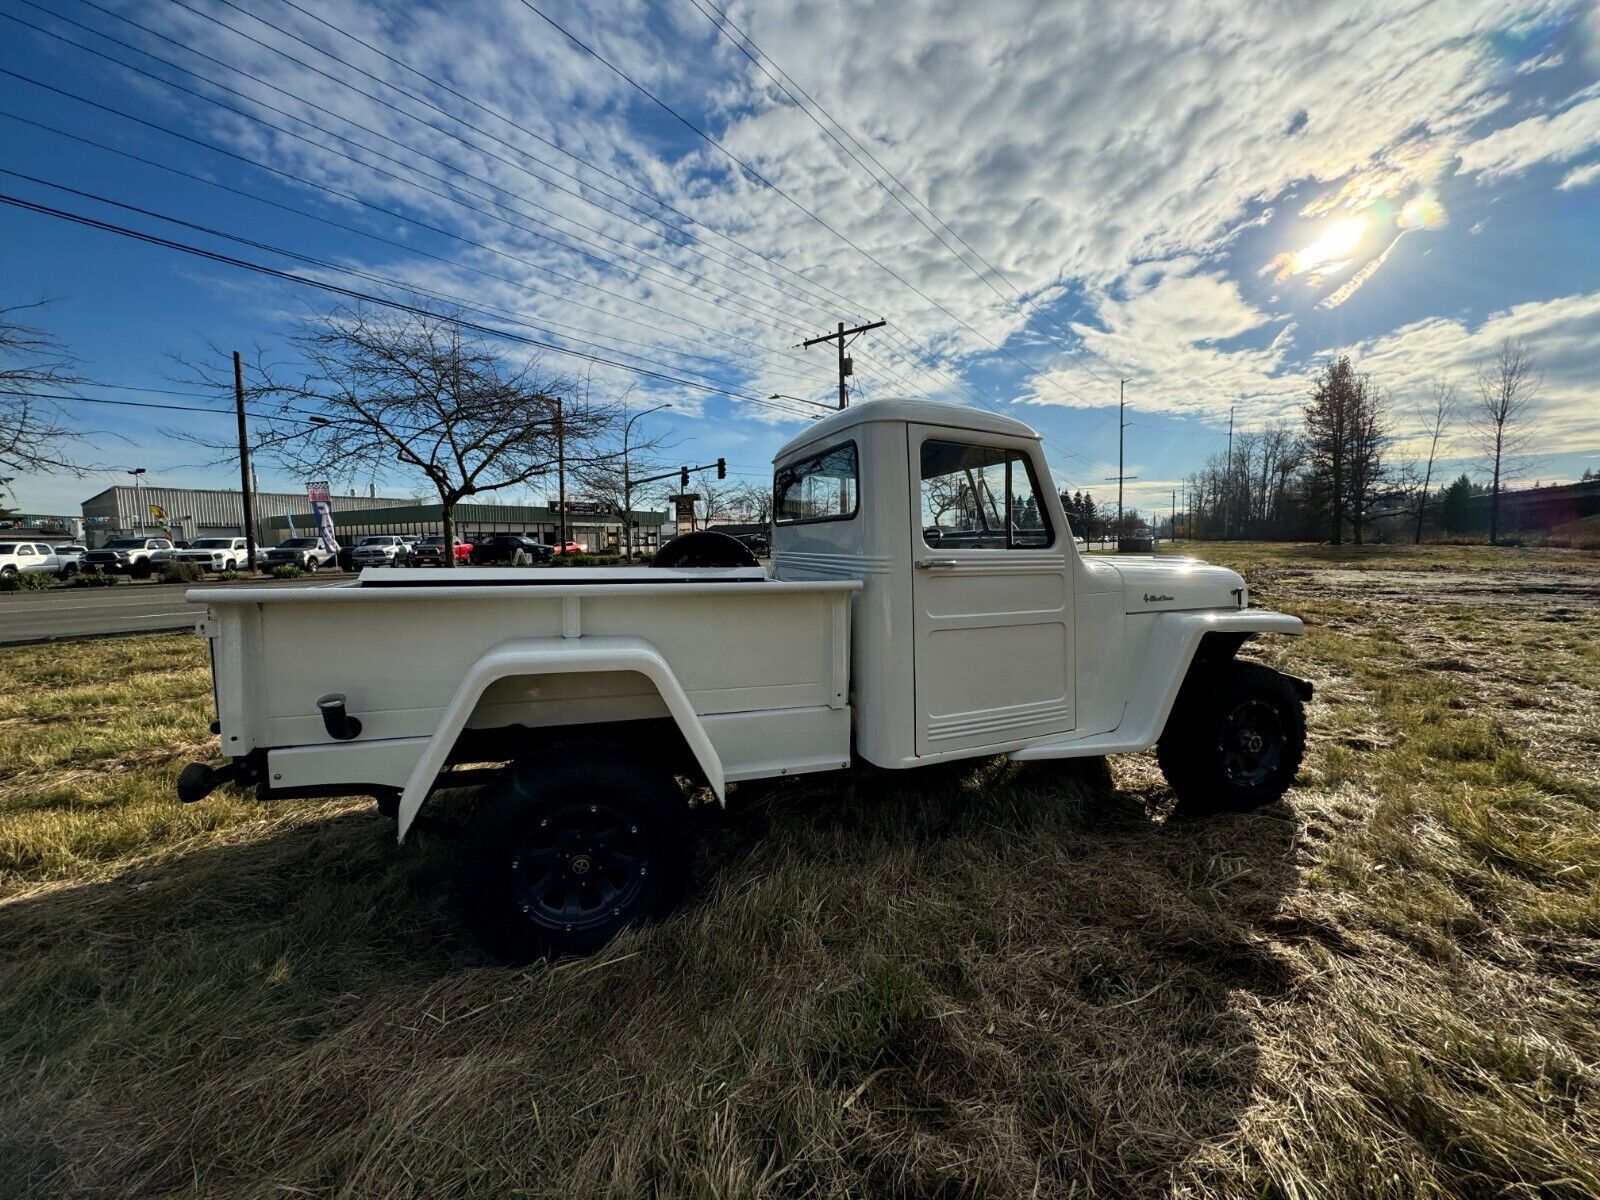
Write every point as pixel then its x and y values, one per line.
pixel 212 544
pixel 434 540
pixel 298 543
pixel 382 540
pixel 124 543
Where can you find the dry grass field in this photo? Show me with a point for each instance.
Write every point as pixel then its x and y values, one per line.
pixel 992 982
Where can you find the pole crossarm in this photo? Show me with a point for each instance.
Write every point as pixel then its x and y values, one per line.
pixel 846 366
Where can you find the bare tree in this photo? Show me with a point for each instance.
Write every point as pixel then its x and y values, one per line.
pixel 612 476
pixel 1506 389
pixel 35 432
pixel 752 502
pixel 1368 437
pixel 1435 420
pixel 377 390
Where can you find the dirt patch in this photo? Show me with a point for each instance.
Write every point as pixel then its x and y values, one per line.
pixel 1544 590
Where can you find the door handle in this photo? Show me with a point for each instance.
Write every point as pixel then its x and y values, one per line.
pixel 928 564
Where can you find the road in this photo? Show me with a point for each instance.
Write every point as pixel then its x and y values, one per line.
pixel 68 613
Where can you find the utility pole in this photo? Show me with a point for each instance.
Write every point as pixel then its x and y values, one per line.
pixel 1172 524
pixel 847 365
pixel 1120 476
pixel 1227 485
pixel 246 494
pixel 561 477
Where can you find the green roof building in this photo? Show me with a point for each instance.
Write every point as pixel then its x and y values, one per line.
pixel 595 526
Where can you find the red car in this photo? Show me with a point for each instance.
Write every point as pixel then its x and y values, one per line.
pixel 569 548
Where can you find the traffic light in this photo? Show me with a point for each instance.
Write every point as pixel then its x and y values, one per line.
pixel 683 479
pixel 722 468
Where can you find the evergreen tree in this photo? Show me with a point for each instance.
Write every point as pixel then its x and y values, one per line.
pixel 1455 506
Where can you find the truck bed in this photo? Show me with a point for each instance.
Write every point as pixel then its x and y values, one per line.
pixel 764 663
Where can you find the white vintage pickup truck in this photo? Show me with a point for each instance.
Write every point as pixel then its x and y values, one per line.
pixel 926 602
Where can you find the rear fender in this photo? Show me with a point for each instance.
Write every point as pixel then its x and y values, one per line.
pixel 557 656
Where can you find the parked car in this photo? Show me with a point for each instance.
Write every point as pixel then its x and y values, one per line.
pixel 303 552
pixel 510 549
pixel 71 557
pixel 871 641
pixel 429 552
pixel 214 554
pixel 568 547
pixel 136 556
pixel 29 558
pixel 382 550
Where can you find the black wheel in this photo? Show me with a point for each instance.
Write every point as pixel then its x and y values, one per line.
pixel 1234 740
pixel 142 569
pixel 572 848
pixel 311 564
pixel 68 570
pixel 8 570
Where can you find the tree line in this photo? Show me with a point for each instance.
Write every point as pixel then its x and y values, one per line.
pixel 1338 472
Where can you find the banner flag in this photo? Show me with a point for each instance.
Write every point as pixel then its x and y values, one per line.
pixel 321 498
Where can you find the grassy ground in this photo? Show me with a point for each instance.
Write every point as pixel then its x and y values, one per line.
pixel 992 981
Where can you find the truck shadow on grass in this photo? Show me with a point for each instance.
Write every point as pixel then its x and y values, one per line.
pixel 981 981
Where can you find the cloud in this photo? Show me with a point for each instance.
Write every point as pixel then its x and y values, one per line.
pixel 1561 335
pixel 1579 177
pixel 1555 138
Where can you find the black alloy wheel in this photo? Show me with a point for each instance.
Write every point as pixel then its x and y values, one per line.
pixel 580 866
pixel 1234 738
pixel 1252 742
pixel 572 846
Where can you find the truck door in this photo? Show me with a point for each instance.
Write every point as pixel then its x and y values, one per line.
pixel 992 606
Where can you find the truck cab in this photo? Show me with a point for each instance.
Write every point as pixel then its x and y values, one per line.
pixel 1008 638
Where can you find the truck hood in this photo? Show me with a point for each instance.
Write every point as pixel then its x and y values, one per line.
pixel 1177 584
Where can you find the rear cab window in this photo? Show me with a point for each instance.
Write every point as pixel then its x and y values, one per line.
pixel 821 487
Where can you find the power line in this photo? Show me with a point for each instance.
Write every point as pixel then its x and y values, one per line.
pixel 816 290
pixel 411 249
pixel 765 182
pixel 321 263
pixel 370 298
pixel 723 25
pixel 638 270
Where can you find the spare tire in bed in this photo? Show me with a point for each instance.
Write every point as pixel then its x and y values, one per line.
pixel 704 548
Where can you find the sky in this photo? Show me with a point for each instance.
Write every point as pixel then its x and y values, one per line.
pixel 1198 204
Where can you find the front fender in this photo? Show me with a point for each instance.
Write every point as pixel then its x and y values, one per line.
pixel 1169 641
pixel 556 656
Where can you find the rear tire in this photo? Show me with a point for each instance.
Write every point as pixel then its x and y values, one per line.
pixel 1234 740
pixel 571 849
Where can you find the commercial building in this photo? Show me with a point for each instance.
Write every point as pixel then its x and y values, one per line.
pixel 594 525
pixel 185 514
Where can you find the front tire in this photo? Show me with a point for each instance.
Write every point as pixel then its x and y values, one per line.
pixel 1234 740
pixel 573 848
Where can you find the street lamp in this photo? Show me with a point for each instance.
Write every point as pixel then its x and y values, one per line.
pixel 138 493
pixel 627 478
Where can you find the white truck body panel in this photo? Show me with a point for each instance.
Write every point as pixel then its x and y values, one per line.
pixel 754 672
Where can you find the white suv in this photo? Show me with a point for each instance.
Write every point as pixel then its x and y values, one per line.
pixel 215 554
pixel 28 558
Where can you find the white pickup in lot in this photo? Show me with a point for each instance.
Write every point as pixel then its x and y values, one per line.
pixel 927 603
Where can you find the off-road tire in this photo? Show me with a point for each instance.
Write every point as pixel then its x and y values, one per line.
pixel 1234 740
pixel 142 569
pixel 573 847
pixel 8 570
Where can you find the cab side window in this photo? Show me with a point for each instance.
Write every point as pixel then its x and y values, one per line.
pixel 981 498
